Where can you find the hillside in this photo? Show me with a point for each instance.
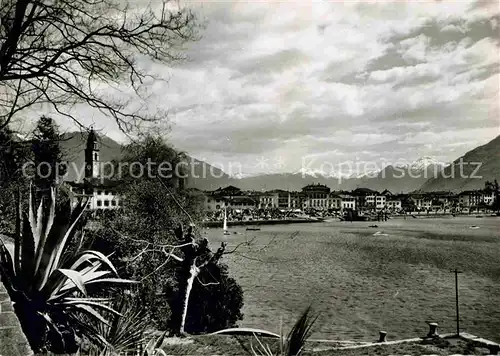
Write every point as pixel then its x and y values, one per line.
pixel 73 147
pixel 200 174
pixel 399 179
pixel 286 181
pixel 479 165
pixel 396 179
pixel 418 175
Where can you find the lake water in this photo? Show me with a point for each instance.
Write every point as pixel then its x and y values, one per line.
pixel 362 279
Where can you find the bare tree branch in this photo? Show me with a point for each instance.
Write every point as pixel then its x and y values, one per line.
pixel 60 52
pixel 208 283
pixel 244 243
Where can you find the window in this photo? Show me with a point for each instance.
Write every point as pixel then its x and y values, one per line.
pixel 106 203
pixel 99 203
pixel 113 202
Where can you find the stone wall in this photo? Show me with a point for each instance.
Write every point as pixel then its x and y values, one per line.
pixel 12 340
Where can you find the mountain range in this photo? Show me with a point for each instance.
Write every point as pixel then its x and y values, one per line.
pixel 425 174
pixel 470 171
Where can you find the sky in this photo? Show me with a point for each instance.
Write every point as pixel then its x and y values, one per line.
pixel 286 86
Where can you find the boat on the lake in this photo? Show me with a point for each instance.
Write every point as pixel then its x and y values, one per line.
pixel 224 227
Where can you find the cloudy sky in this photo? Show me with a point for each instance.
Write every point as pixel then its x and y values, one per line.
pixel 305 83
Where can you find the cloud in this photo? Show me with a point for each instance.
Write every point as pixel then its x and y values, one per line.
pixel 336 80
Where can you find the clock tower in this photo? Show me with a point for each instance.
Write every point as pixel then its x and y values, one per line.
pixel 92 156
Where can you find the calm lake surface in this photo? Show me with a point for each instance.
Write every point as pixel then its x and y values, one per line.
pixel 361 279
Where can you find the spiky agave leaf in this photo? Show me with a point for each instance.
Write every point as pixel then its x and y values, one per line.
pixel 293 344
pixel 153 348
pixel 44 273
pixel 45 226
pixel 126 331
pixel 62 232
pixel 7 268
pixel 300 332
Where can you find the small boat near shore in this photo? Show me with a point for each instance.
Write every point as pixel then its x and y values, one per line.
pixel 224 227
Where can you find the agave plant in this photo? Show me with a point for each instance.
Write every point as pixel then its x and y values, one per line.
pixel 293 344
pixel 125 331
pixel 47 278
pixel 153 347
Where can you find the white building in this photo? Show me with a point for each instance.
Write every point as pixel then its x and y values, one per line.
pixel 347 201
pixel 376 201
pixel 101 192
pixel 488 197
pixel 214 203
pixel 268 200
pixel 422 201
pixel 335 201
pixel 316 196
pixel 393 204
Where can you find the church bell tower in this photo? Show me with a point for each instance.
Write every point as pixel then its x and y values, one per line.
pixel 92 156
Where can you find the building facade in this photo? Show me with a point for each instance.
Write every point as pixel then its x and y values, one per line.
pixel 101 192
pixel 316 196
pixel 347 202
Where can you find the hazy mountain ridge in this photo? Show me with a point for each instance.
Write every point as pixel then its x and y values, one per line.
pixel 200 174
pixel 479 165
pixel 417 175
pixel 73 147
pixel 405 178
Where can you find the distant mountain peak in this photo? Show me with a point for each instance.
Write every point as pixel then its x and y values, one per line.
pixel 241 175
pixel 425 162
pixel 422 163
pixel 365 174
pixel 481 164
pixel 315 173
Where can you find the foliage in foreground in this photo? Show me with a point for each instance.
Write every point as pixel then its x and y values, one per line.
pixel 143 241
pixel 48 281
pixel 125 331
pixel 13 155
pixel 56 52
pixel 293 344
pixel 216 304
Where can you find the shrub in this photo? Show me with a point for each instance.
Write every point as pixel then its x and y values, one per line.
pixel 48 281
pixel 214 305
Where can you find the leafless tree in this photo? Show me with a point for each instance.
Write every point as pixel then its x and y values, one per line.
pixel 195 254
pixel 66 52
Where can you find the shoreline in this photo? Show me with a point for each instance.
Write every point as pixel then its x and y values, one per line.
pixel 430 216
pixel 260 222
pixel 218 224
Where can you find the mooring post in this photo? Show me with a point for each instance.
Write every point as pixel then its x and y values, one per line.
pixel 456 300
pixel 433 330
pixel 382 336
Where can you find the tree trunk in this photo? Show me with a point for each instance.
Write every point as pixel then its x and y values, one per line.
pixel 194 271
